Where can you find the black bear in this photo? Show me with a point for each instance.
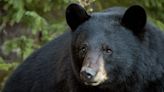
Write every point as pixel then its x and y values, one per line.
pixel 116 50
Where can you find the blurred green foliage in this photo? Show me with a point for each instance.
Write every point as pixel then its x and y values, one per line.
pixel 42 20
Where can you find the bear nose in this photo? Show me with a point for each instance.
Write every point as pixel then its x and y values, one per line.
pixel 86 75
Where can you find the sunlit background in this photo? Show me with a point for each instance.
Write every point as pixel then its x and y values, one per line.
pixel 26 25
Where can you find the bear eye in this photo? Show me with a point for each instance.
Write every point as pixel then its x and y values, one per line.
pixel 83 49
pixel 82 52
pixel 107 51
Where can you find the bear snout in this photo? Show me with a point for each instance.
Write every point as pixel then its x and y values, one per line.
pixel 94 75
pixel 87 74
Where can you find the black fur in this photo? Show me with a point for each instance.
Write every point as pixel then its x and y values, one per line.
pixel 135 65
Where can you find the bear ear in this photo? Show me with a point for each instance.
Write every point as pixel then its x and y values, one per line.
pixel 75 15
pixel 134 18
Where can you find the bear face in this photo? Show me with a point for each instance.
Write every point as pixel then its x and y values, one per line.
pixel 106 46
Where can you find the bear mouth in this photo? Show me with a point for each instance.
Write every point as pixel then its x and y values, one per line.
pixel 93 83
